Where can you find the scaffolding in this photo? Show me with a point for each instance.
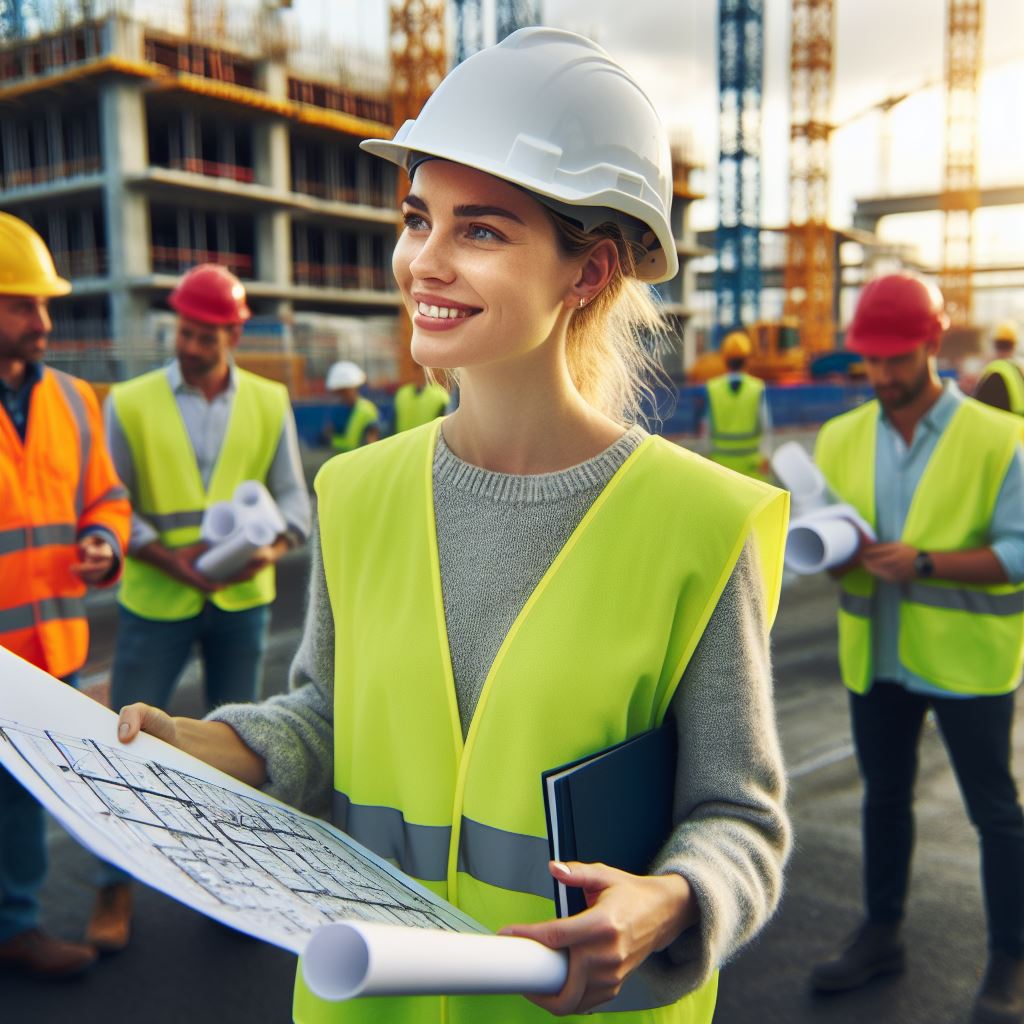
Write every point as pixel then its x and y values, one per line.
pixel 738 236
pixel 960 194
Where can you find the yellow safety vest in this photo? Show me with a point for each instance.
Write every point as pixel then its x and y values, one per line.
pixel 169 490
pixel 967 638
pixel 593 658
pixel 413 408
pixel 1012 378
pixel 363 413
pixel 734 420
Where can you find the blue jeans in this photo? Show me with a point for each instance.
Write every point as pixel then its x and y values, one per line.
pixel 150 656
pixel 886 729
pixel 22 854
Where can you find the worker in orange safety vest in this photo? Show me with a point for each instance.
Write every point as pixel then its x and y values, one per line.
pixel 64 520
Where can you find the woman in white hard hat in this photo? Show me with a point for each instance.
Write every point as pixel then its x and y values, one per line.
pixel 359 421
pixel 535 578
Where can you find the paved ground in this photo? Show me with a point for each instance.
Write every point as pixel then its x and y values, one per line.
pixel 181 967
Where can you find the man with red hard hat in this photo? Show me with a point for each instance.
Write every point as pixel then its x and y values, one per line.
pixel 931 617
pixel 182 438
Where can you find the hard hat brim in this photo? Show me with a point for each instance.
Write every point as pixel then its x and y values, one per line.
pixel 660 264
pixel 883 346
pixel 51 289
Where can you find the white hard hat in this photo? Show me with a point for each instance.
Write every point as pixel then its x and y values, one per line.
pixel 344 375
pixel 551 112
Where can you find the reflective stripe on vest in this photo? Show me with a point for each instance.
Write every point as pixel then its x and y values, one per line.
pixel 77 407
pixel 961 637
pixel 363 414
pixel 50 609
pixel 37 536
pixel 469 813
pixel 1013 380
pixel 169 491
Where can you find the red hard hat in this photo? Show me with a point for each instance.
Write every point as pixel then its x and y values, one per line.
pixel 894 315
pixel 210 294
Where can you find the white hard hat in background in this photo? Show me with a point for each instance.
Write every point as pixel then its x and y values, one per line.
pixel 344 375
pixel 550 111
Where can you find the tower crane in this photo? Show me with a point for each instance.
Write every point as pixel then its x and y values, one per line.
pixel 810 250
pixel 738 236
pixel 960 193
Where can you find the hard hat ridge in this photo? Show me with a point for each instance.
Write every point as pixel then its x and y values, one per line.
pixel 210 294
pixel 895 314
pixel 551 112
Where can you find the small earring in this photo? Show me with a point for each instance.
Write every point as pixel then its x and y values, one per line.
pixel 583 302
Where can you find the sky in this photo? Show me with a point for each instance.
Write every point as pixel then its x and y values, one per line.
pixel 882 48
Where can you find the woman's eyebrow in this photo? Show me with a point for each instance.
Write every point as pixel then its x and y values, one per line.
pixel 487 211
pixel 415 202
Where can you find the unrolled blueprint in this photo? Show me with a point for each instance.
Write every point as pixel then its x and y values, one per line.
pixel 196 834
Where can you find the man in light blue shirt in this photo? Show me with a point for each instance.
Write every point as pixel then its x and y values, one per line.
pixel 897 328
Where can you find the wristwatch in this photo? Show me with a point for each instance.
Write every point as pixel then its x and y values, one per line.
pixel 923 565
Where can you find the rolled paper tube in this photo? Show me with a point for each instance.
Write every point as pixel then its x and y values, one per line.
pixel 355 958
pixel 254 501
pixel 800 476
pixel 819 544
pixel 220 521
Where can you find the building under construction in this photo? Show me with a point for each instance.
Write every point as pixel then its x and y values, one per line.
pixel 138 150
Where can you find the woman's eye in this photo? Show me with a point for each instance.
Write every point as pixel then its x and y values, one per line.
pixel 481 234
pixel 414 221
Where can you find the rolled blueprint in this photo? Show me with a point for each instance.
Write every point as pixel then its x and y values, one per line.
pixel 231 555
pixel 800 476
pixel 220 521
pixel 253 500
pixel 356 958
pixel 814 545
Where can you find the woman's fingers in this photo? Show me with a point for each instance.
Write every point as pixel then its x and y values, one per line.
pixel 136 718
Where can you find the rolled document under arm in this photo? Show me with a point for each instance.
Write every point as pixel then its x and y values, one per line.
pixel 235 529
pixel 355 958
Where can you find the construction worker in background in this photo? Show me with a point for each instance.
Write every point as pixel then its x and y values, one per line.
pixel 183 437
pixel 737 412
pixel 1001 384
pixel 416 404
pixel 64 519
pixel 355 420
pixel 931 617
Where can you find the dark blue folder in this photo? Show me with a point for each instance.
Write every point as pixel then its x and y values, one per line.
pixel 612 807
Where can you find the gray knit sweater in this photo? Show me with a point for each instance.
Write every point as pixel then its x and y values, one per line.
pixel 497 535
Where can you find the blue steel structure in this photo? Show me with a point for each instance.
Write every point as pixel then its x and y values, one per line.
pixel 515 14
pixel 738 237
pixel 14 16
pixel 469 28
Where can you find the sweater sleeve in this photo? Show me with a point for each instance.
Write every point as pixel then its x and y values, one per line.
pixel 732 836
pixel 294 732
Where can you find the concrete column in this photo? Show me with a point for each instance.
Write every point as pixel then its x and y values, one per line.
pixel 126 209
pixel 272 159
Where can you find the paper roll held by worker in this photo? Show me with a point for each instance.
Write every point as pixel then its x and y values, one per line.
pixel 220 521
pixel 253 500
pixel 825 538
pixel 357 958
pixel 801 477
pixel 231 555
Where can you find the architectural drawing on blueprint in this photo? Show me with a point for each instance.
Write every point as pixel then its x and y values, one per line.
pixel 253 863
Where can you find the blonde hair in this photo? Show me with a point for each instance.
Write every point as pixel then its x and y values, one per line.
pixel 611 340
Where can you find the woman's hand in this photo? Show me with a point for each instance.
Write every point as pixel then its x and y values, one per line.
pixel 136 718
pixel 628 917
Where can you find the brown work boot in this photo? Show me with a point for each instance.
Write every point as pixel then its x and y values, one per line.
pixel 110 926
pixel 35 952
pixel 1000 999
pixel 873 949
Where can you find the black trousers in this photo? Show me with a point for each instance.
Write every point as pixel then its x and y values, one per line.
pixel 886 730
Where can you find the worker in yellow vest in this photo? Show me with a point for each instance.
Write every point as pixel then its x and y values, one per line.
pixel 183 437
pixel 419 403
pixel 355 420
pixel 931 617
pixel 529 579
pixel 737 412
pixel 1001 384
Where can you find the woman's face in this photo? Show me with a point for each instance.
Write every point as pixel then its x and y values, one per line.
pixel 479 268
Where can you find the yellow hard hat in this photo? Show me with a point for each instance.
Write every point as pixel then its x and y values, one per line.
pixel 26 266
pixel 736 345
pixel 1006 331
